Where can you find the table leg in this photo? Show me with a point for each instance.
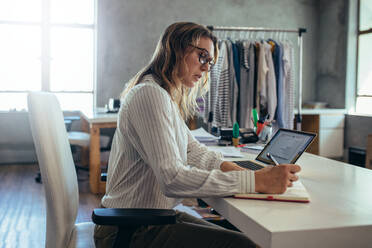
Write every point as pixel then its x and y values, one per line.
pixel 85 150
pixel 94 160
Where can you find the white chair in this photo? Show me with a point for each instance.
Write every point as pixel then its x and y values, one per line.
pixel 61 187
pixel 58 172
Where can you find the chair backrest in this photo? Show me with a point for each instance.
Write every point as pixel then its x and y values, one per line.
pixel 56 166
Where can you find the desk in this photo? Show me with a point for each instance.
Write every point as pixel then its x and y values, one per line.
pixel 339 214
pixel 92 122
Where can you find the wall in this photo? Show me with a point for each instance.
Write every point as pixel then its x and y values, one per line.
pixel 128 32
pixel 16 145
pixel 331 53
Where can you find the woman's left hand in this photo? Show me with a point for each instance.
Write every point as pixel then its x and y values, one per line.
pixel 230 166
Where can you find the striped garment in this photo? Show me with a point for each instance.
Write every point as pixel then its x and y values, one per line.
pixel 289 101
pixel 221 107
pixel 223 111
pixel 214 78
pixel 155 160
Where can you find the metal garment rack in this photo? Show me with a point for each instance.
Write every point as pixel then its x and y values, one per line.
pixel 299 32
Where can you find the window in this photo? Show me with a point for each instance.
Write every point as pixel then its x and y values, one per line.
pixel 364 70
pixel 47 45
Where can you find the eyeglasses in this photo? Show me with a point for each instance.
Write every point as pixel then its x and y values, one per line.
pixel 204 57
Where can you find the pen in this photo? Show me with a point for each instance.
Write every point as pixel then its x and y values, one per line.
pixel 272 159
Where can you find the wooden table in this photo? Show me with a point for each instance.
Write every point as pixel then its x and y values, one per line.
pixel 92 122
pixel 339 213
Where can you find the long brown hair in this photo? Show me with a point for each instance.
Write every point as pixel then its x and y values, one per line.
pixel 168 59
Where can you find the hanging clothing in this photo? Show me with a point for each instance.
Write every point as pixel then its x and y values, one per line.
pixel 222 109
pixel 262 70
pixel 246 84
pixel 252 82
pixel 210 98
pixel 236 48
pixel 288 71
pixel 280 89
pixel 247 75
pixel 266 83
pixel 233 85
pixel 271 83
pixel 256 51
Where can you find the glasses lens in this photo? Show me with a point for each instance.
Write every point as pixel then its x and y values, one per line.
pixel 202 60
pixel 204 57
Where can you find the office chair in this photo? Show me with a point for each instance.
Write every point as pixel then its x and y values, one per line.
pixel 61 187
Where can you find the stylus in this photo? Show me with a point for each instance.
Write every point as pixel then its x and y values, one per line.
pixel 272 159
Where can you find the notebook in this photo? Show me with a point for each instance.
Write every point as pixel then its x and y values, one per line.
pixel 296 193
pixel 286 146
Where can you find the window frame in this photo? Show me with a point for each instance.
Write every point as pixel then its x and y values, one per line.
pixel 359 33
pixel 45 58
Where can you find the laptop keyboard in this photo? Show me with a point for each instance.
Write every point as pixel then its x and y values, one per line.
pixel 249 165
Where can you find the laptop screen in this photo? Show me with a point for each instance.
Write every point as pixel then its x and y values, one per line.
pixel 286 146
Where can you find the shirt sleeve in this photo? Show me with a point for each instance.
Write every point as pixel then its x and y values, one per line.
pixel 200 156
pixel 151 116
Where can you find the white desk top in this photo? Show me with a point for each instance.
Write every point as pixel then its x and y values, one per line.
pixel 99 116
pixel 339 213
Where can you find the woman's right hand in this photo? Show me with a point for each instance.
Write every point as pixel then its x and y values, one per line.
pixel 276 179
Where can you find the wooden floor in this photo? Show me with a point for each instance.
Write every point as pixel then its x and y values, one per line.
pixel 22 206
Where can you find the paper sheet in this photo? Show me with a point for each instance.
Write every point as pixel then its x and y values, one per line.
pixel 228 151
pixel 202 135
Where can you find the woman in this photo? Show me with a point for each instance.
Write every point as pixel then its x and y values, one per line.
pixel 155 160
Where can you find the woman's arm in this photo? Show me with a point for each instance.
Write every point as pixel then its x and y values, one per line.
pixel 200 156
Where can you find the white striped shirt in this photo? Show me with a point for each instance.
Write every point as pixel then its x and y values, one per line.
pixel 155 160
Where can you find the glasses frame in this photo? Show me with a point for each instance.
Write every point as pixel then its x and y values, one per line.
pixel 204 59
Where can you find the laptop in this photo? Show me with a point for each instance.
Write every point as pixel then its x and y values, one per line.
pixel 286 146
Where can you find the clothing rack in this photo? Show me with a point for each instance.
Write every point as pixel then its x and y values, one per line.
pixel 299 32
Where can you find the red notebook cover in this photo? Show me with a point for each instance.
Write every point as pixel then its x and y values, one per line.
pixel 296 193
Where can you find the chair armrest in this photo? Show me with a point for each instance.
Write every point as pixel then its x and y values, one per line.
pixel 128 217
